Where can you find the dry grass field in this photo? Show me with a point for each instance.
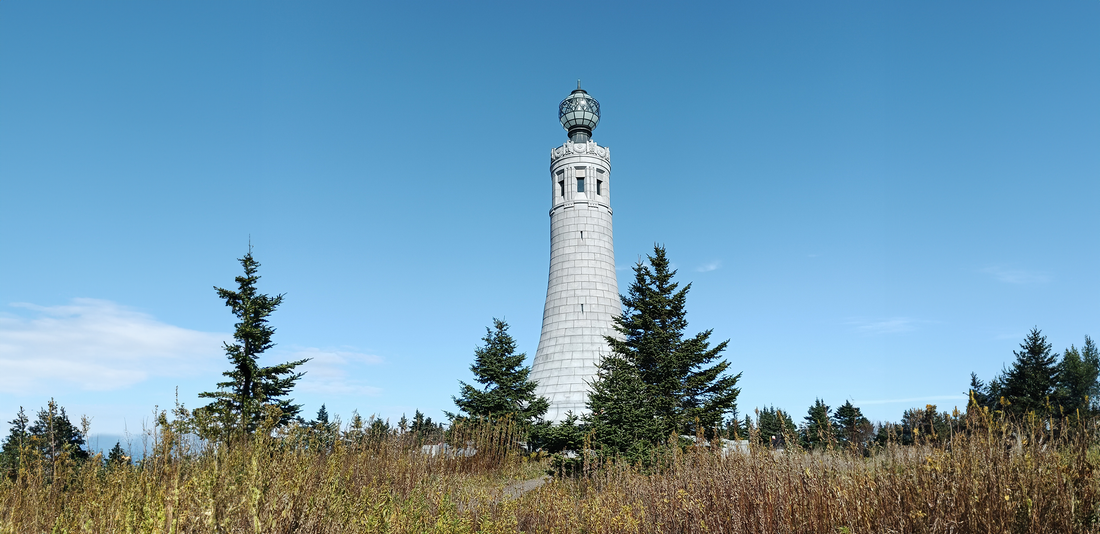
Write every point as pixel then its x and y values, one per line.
pixel 988 477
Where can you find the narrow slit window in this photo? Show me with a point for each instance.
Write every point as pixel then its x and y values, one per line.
pixel 580 185
pixel 599 187
pixel 561 188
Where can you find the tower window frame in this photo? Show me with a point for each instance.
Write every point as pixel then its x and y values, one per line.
pixel 561 188
pixel 599 187
pixel 580 185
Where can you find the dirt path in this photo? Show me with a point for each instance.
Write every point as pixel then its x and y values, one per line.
pixel 516 489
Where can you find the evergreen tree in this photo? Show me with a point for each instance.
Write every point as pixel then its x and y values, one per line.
pixel 424 429
pixel 55 436
pixel 852 428
pixel 567 435
pixel 421 424
pixel 620 416
pixel 1031 380
pixel 323 429
pixel 673 383
pixel 240 401
pixel 357 429
pixel 889 432
pixel 736 427
pixel 978 393
pixel 18 438
pixel 1077 386
pixel 925 425
pixel 321 422
pixel 505 388
pixel 117 456
pixel 817 427
pixel 378 429
pixel 775 426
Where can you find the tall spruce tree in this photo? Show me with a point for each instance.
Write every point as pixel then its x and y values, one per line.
pixel 15 444
pixel 852 428
pixel 927 425
pixel 240 401
pixel 817 429
pixel 682 382
pixel 1031 381
pixel 775 426
pixel 117 456
pixel 55 436
pixel 621 417
pixel 978 393
pixel 506 390
pixel 1077 373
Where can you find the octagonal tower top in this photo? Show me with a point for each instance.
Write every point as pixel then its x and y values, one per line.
pixel 579 114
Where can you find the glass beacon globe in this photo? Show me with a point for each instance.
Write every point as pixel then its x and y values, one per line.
pixel 579 114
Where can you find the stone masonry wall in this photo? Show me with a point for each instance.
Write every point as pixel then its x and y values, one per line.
pixel 582 294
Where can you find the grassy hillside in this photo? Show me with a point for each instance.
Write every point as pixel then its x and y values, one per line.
pixel 1039 476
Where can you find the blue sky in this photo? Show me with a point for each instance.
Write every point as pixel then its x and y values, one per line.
pixel 871 199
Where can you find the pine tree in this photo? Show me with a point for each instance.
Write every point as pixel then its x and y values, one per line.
pixel 817 427
pixel 423 429
pixel 240 401
pixel 888 432
pixel 357 429
pixel 55 436
pixel 621 417
pixel 117 456
pixel 505 388
pixel 1030 382
pixel 736 427
pixel 774 426
pixel 378 429
pixel 322 417
pixel 420 424
pixel 324 430
pixel 1077 386
pixel 683 380
pixel 852 428
pixel 978 393
pixel 14 445
pixel 925 425
pixel 568 435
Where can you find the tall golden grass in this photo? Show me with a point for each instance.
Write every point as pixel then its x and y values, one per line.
pixel 990 476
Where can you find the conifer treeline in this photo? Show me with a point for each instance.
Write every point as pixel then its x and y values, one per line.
pixel 655 385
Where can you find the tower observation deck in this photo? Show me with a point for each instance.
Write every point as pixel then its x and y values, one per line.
pixel 582 295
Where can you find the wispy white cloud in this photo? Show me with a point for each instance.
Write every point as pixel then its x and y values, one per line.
pixel 96 345
pixel 892 325
pixel 1016 276
pixel 909 400
pixel 709 266
pixel 335 371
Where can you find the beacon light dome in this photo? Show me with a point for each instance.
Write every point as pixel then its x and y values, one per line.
pixel 579 112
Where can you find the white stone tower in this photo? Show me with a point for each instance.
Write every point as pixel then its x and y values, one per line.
pixel 582 295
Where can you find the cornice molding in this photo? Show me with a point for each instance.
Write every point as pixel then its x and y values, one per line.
pixel 570 148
